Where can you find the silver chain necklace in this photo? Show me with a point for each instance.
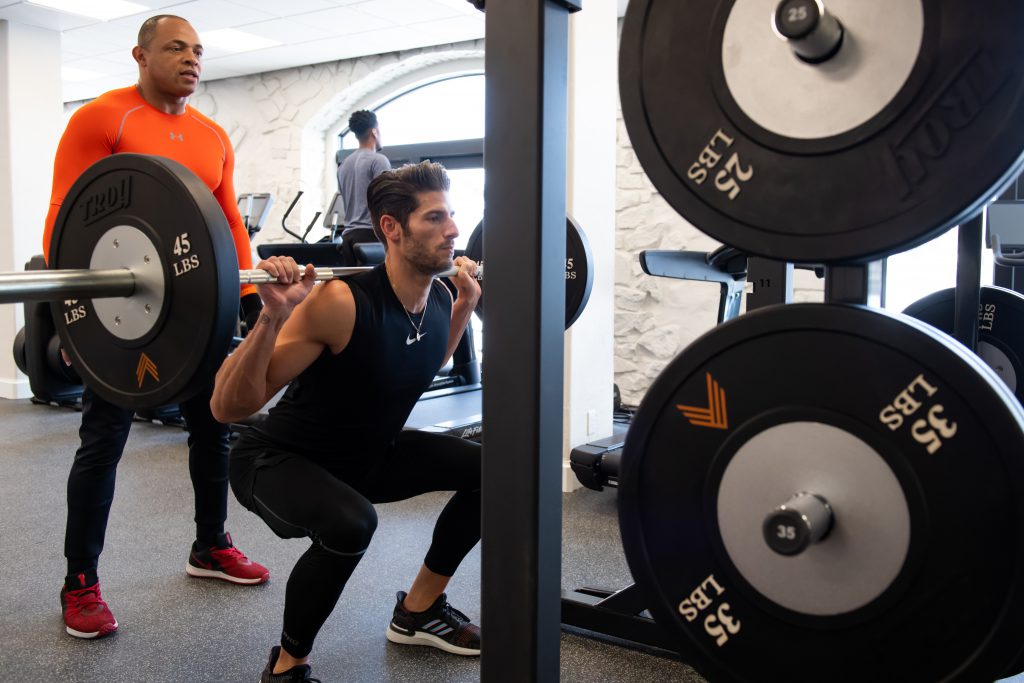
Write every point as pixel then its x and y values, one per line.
pixel 410 340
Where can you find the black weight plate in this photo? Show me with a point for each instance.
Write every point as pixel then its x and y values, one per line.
pixel 579 273
pixel 163 200
pixel 952 610
pixel 1000 328
pixel 802 180
pixel 19 351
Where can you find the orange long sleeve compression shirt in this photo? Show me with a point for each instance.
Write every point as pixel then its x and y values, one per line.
pixel 122 121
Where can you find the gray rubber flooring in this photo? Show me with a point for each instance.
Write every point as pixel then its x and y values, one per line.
pixel 176 629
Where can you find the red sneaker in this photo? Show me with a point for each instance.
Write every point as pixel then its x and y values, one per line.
pixel 86 615
pixel 227 563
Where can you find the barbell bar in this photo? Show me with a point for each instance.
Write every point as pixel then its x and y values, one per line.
pixel 51 285
pixel 144 281
pixel 82 283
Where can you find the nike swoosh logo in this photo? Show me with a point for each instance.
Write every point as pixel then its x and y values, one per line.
pixel 413 338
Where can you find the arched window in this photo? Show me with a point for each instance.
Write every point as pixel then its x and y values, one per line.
pixel 442 121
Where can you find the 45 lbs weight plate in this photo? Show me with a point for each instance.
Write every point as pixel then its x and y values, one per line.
pixel 156 218
pixel 834 145
pixel 901 454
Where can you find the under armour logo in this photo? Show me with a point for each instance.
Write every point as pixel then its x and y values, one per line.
pixel 181 137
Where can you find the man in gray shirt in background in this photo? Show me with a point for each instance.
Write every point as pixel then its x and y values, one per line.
pixel 355 174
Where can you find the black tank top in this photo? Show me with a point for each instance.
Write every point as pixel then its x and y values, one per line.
pixel 357 401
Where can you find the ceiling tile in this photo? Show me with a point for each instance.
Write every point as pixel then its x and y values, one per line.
pixel 288 31
pixel 209 15
pixel 110 33
pixel 282 8
pixel 344 20
pixel 453 30
pixel 83 43
pixel 312 31
pixel 43 18
pixel 404 12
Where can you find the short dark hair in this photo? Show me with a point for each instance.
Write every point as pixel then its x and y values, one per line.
pixel 148 28
pixel 361 123
pixel 393 193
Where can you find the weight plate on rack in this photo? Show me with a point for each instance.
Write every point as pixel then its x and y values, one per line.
pixel 1000 328
pixel 903 133
pixel 914 444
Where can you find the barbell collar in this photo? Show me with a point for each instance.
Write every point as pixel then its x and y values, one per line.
pixel 798 523
pixel 812 32
pixel 53 285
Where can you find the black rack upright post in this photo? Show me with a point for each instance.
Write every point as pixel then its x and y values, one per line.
pixel 968 281
pixel 524 246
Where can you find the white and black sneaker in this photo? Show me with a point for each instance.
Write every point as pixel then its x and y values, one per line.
pixel 441 626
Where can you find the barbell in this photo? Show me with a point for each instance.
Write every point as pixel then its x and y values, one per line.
pixel 144 280
pixel 51 285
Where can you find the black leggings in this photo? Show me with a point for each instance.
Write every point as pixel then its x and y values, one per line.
pixel 104 432
pixel 296 497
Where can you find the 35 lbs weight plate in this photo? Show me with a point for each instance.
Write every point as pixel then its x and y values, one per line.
pixel 904 451
pixel 900 134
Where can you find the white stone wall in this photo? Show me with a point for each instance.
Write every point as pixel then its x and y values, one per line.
pixel 655 318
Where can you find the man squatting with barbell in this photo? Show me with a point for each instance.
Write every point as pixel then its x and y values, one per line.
pixel 151 117
pixel 358 353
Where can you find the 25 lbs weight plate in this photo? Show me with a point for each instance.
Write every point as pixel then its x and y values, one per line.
pixel 900 134
pixel 910 449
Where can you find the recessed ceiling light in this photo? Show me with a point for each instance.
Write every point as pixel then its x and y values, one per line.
pixel 236 41
pixel 104 10
pixel 74 75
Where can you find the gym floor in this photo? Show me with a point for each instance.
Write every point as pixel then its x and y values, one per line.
pixel 174 628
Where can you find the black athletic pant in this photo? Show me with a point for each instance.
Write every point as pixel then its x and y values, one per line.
pixel 104 432
pixel 296 497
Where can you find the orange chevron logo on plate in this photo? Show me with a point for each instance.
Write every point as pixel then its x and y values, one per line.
pixel 146 367
pixel 714 415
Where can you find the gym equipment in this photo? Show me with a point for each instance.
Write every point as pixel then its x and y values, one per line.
pixel 254 208
pixel 60 387
pixel 579 276
pixel 894 428
pixel 1000 328
pixel 284 220
pixel 18 348
pixel 792 485
pixel 147 243
pixel 334 218
pixel 895 138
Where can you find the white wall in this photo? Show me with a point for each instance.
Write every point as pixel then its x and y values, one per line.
pixel 31 123
pixel 591 202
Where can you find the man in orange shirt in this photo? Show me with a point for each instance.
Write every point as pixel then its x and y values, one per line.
pixel 151 117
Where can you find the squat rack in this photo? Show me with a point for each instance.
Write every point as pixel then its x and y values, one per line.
pixel 526 66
